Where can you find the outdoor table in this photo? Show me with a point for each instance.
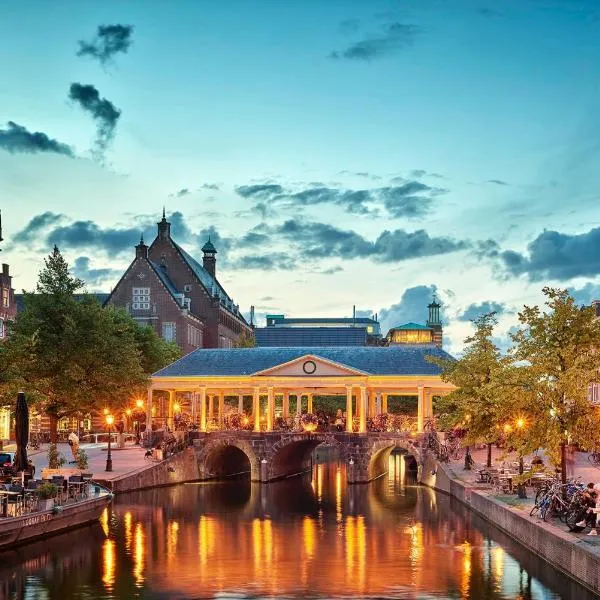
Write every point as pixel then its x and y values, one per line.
pixel 75 488
pixel 4 495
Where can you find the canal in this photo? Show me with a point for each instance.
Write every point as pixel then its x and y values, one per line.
pixel 304 537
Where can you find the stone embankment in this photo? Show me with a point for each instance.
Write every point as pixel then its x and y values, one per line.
pixel 570 554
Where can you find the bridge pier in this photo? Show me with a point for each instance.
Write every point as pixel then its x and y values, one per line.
pixel 270 456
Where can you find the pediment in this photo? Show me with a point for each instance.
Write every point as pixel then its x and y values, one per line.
pixel 310 365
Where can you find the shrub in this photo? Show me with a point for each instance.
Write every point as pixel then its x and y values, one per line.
pixel 46 491
pixel 55 459
pixel 82 459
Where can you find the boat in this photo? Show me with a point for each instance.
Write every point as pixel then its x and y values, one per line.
pixel 25 528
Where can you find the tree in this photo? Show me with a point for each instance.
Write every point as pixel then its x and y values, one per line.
pixel 245 340
pixel 557 354
pixel 70 355
pixel 477 402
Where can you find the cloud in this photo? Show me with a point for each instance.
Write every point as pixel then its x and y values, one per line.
pixel 180 193
pixel 393 37
pixel 554 255
pixel 17 138
pixel 411 199
pixel 109 40
pixel 587 294
pixel 321 240
pixel 209 186
pixel 94 277
pixel 332 270
pixel 102 111
pixel 37 225
pixel 265 262
pixel 497 181
pixel 412 307
pixel 475 310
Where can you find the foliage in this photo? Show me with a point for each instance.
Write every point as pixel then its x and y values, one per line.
pixel 477 403
pixel 47 491
pixel 282 424
pixel 309 421
pixel 82 459
pixel 383 422
pixel 55 459
pixel 557 356
pixel 72 356
pixel 245 340
pixel 235 421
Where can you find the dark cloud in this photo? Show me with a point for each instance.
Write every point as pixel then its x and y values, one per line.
pixel 36 226
pixel 497 181
pixel 265 262
pixel 180 193
pixel 393 37
pixel 412 308
pixel 475 310
pixel 104 113
pixel 332 270
pixel 109 40
pixel 209 186
pixel 94 277
pixel 16 138
pixel 321 240
pixel 554 255
pixel 253 238
pixel 411 199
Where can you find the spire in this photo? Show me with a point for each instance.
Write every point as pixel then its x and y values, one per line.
pixel 164 218
pixel 142 238
pixel 141 250
pixel 1 238
pixel 164 227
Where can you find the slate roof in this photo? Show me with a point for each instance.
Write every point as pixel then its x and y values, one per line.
pixel 411 327
pixel 394 360
pixel 166 280
pixel 310 336
pixel 316 320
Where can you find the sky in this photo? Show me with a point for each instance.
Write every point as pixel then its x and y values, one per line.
pixel 338 153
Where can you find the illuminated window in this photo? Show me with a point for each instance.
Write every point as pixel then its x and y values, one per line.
pixel 370 329
pixel 412 336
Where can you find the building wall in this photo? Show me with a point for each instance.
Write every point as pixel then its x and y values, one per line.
pixel 8 306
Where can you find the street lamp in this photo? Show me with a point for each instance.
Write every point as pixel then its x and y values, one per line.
pixel 109 421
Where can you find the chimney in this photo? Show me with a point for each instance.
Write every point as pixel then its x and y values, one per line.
pixel 209 259
pixel 252 316
pixel 164 228
pixel 5 269
pixel 141 250
pixel 354 315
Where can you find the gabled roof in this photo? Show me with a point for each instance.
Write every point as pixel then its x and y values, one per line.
pixel 165 279
pixel 411 327
pixel 407 359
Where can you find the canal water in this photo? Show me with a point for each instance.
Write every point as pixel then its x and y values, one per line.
pixel 301 538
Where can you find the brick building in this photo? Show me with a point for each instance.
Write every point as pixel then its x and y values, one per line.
pixel 166 288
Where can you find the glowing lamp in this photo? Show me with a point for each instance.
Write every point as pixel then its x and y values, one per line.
pixel 507 428
pixel 128 412
pixel 176 407
pixel 139 403
pixel 110 420
pixel 520 423
pixel 106 411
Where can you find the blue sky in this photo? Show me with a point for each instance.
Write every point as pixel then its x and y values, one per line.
pixel 339 153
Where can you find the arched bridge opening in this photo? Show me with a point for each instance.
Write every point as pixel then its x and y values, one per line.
pixel 225 460
pixel 379 462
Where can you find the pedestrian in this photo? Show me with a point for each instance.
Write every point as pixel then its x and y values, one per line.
pixel 73 441
pixel 30 469
pixel 590 497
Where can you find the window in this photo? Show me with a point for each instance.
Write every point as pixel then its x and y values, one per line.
pixel 225 342
pixel 141 298
pixel 187 287
pixel 168 331
pixel 594 393
pixel 194 336
pixel 1 328
pixel 5 297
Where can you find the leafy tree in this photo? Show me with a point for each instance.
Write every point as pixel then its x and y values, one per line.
pixel 245 340
pixel 477 402
pixel 557 354
pixel 70 355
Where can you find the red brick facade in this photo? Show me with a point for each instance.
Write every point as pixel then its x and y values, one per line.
pixel 8 306
pixel 166 288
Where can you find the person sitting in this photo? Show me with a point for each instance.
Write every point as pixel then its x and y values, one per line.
pixel 590 496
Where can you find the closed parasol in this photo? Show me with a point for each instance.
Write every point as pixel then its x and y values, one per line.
pixel 21 432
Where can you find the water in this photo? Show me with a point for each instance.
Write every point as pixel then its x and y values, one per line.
pixel 311 537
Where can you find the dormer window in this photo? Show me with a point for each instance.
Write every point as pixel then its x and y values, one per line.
pixel 187 287
pixel 141 298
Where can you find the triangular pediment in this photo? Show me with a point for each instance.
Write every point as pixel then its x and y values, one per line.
pixel 310 365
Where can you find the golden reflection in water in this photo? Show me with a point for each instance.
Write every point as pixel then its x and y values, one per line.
pixel 319 483
pixel 257 545
pixel 356 552
pixel 338 495
pixel 108 563
pixel 416 548
pixel 104 521
pixel 172 536
pixel 497 565
pixel 465 581
pixel 206 539
pixel 138 555
pixel 309 535
pixel 127 524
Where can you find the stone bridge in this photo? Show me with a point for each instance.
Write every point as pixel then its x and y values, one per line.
pixel 269 456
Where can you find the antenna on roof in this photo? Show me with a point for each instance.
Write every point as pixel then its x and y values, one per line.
pixel 252 316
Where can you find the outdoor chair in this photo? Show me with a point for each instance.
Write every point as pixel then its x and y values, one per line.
pixel 75 486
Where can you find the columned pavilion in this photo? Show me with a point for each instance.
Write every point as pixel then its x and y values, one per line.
pixel 290 377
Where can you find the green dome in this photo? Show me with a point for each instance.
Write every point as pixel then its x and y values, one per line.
pixel 209 247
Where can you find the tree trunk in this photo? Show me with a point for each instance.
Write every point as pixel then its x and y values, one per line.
pixel 489 455
pixel 563 462
pixel 53 428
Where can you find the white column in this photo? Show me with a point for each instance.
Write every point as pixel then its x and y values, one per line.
pixel 420 407
pixel 286 404
pixel 240 403
pixel 310 403
pixel 270 408
pixel 372 409
pixel 194 408
pixel 202 409
pixel 170 422
pixel 362 428
pixel 211 398
pixel 349 408
pixel 378 403
pixel 299 403
pixel 221 408
pixel 256 408
pixel 149 411
pixel 384 405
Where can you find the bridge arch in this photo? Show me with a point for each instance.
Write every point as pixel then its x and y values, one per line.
pixel 292 454
pixel 380 452
pixel 228 456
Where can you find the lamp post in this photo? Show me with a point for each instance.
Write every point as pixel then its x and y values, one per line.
pixel 521 491
pixel 139 406
pixel 109 421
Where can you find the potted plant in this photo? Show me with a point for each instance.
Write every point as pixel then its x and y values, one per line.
pixel 46 494
pixel 309 422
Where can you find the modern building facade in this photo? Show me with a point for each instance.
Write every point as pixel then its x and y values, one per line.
pixel 415 333
pixel 166 288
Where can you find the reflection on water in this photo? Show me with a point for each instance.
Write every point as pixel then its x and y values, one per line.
pixel 303 537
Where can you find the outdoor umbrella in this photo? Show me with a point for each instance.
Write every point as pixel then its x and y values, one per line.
pixel 21 431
